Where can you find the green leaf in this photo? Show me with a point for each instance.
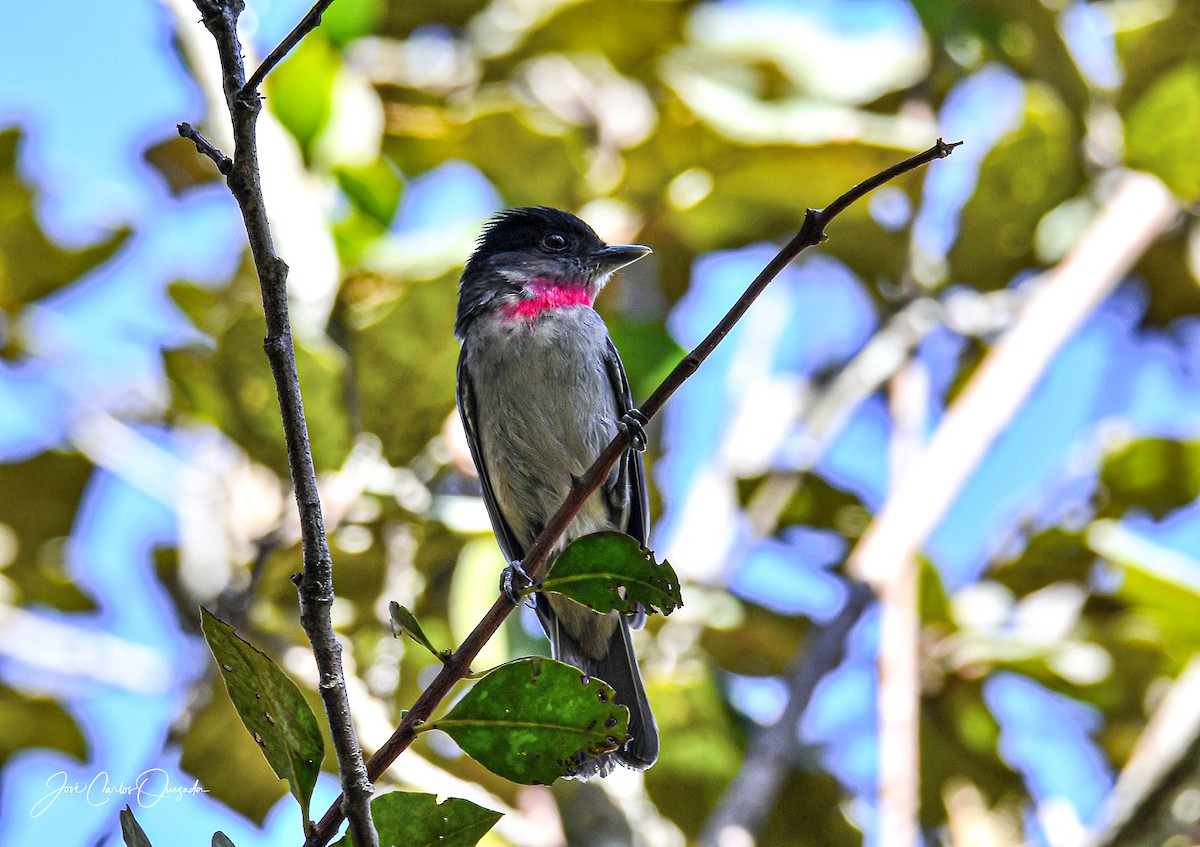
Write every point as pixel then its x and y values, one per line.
pixel 610 570
pixel 405 622
pixel 810 501
pixel 229 383
pixel 534 720
pixel 649 352
pixel 131 832
pixel 1163 127
pixel 403 342
pixel 346 20
pixel 1157 475
pixel 39 499
pixel 37 721
pixel 374 189
pixel 272 708
pixel 180 166
pixel 31 265
pixel 409 819
pixel 300 90
pixel 1027 174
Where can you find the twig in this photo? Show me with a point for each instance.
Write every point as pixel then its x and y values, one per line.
pixel 748 799
pixel 307 24
pixel 315 585
pixel 205 148
pixel 812 231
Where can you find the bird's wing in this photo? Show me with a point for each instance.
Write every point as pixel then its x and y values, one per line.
pixel 635 476
pixel 505 536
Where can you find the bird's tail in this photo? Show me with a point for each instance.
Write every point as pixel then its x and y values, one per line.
pixel 619 668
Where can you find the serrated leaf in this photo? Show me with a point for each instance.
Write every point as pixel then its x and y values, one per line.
pixel 535 720
pixel 409 819
pixel 271 706
pixel 404 622
pixel 610 570
pixel 131 831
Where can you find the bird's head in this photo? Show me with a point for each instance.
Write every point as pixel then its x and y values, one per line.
pixel 532 259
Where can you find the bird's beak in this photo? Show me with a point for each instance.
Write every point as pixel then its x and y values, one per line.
pixel 609 259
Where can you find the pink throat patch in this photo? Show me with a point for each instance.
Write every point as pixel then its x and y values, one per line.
pixel 547 296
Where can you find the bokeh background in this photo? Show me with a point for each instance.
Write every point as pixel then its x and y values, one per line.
pixel 980 394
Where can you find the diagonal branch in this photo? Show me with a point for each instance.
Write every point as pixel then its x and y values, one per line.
pixel 812 231
pixel 307 24
pixel 748 799
pixel 315 585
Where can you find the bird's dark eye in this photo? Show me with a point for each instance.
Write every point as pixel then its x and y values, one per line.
pixel 554 241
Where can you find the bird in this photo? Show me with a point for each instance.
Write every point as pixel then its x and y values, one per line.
pixel 541 392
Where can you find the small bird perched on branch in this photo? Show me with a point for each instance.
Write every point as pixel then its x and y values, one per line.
pixel 541 391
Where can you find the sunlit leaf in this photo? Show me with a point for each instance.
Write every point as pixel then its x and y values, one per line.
pixel 408 819
pixel 611 570
pixel 405 355
pixel 300 90
pixel 535 720
pixel 346 20
pixel 1162 128
pixel 375 189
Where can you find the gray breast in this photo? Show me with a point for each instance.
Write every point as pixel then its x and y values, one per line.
pixel 545 408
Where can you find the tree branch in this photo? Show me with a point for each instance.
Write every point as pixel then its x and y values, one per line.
pixel 315 585
pixel 811 232
pixel 307 24
pixel 205 148
pixel 749 797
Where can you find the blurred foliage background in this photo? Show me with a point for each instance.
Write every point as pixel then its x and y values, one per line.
pixel 1052 619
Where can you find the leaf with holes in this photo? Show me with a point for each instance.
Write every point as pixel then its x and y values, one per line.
pixel 418 820
pixel 610 570
pixel 272 708
pixel 535 720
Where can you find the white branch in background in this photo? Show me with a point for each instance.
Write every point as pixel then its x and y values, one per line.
pixel 1139 210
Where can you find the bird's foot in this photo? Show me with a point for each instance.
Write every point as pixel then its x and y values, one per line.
pixel 514 580
pixel 633 424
